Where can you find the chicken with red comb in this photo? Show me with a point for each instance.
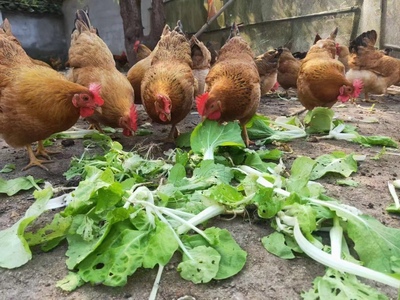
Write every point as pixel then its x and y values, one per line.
pixel 37 101
pixel 168 85
pixel 232 85
pixel 91 60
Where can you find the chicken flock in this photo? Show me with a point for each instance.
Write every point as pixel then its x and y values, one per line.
pixel 37 101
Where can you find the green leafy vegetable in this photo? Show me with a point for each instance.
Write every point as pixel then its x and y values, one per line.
pixel 13 186
pixel 337 285
pixel 275 243
pixel 319 120
pixel 14 249
pixel 337 162
pixel 8 168
pixel 209 135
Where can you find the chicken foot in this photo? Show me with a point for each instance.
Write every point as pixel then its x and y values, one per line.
pixel 41 151
pixel 33 161
pixel 173 134
pixel 245 136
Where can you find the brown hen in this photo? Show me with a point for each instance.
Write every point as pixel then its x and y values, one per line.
pixel 138 70
pixel 288 69
pixel 232 85
pixel 168 85
pixel 267 64
pixel 90 59
pixel 37 101
pixel 321 80
pixel 377 70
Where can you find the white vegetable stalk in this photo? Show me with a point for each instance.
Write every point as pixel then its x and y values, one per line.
pixel 340 264
pixel 394 195
pixel 261 180
pixel 156 285
pixel 336 133
pixel 336 236
pixel 396 183
pixel 209 154
pixel 207 214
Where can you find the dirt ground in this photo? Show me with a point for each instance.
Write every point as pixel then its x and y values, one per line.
pixel 264 275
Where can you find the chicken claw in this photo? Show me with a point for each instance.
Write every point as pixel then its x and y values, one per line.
pixel 41 151
pixel 34 161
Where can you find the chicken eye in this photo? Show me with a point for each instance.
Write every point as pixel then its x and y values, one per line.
pixel 85 98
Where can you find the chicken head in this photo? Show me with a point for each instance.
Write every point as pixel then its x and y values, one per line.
pixel 88 102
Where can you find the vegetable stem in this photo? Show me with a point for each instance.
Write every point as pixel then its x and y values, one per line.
pixel 340 264
pixel 156 285
pixel 394 195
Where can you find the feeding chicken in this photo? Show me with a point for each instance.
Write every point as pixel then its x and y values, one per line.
pixel 91 60
pixel 138 70
pixel 267 69
pixel 321 80
pixel 288 69
pixel 201 58
pixel 168 85
pixel 377 70
pixel 232 85
pixel 37 101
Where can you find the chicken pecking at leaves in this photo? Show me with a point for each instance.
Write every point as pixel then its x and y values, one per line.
pixel 37 101
pixel 168 85
pixel 91 60
pixel 232 85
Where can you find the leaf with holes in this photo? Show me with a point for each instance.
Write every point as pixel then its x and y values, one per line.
pixel 124 250
pixel 202 266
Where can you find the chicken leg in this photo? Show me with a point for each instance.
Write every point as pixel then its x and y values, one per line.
pixel 40 150
pixel 33 161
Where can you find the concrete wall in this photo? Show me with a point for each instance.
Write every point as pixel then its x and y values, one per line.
pixel 106 18
pixel 267 23
pixel 41 35
pixel 271 23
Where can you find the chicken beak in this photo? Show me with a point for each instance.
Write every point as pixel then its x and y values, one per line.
pixel 98 109
pixel 168 116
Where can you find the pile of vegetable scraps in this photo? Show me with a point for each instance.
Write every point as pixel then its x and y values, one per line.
pixel 131 212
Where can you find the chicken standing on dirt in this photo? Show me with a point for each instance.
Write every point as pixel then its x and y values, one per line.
pixel 136 73
pixel 288 69
pixel 321 80
pixel 232 85
pixel 377 70
pixel 91 60
pixel 267 64
pixel 168 85
pixel 37 101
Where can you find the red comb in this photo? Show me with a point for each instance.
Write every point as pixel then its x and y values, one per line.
pixel 201 103
pixel 95 89
pixel 133 117
pixel 358 86
pixel 276 86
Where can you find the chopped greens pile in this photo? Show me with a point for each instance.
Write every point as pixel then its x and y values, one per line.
pixel 131 212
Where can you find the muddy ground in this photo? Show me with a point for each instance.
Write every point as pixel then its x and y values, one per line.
pixel 264 275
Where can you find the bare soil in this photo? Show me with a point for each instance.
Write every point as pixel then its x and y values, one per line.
pixel 264 275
